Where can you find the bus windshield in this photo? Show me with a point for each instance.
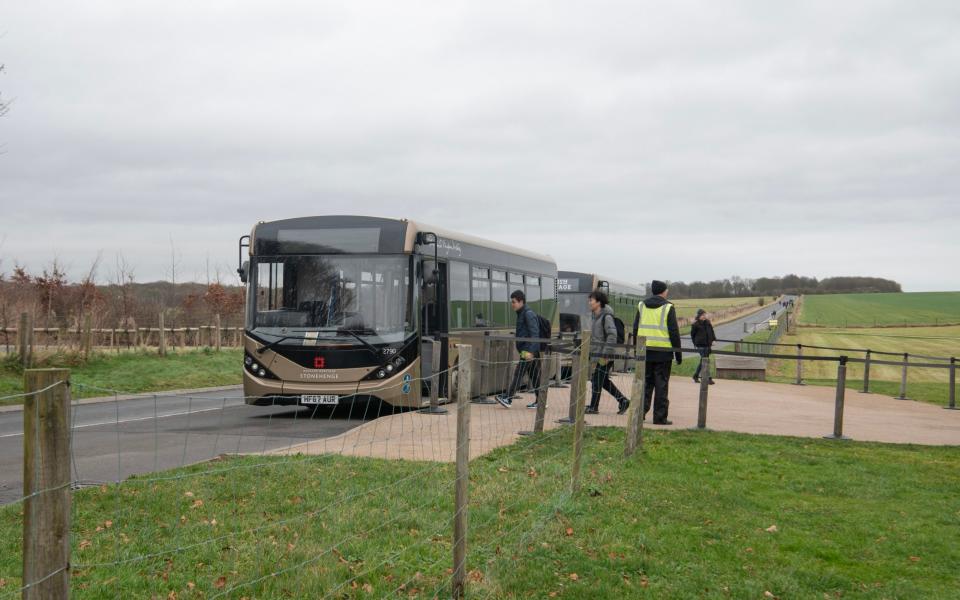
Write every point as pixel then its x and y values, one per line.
pixel 319 297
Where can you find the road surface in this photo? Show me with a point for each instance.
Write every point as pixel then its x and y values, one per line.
pixel 114 440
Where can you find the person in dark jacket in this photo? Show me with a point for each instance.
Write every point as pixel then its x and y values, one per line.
pixel 658 363
pixel 603 333
pixel 528 326
pixel 703 337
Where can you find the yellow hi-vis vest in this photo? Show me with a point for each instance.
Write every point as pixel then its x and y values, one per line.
pixel 653 324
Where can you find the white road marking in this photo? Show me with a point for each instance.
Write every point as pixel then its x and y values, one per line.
pixel 177 414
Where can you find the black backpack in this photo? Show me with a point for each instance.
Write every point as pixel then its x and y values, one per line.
pixel 544 329
pixel 621 329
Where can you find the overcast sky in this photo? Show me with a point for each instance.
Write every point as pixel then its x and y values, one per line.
pixel 675 140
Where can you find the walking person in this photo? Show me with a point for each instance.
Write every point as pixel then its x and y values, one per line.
pixel 703 337
pixel 528 326
pixel 657 320
pixel 603 332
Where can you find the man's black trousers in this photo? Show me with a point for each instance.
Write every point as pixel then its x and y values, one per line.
pixel 658 380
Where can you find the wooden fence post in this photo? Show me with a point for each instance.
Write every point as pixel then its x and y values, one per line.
pixel 799 380
pixel 704 391
pixel 574 383
pixel 218 340
pixel 583 363
pixel 163 336
pixel 46 484
pixel 903 378
pixel 637 394
pixel 952 396
pixel 461 492
pixel 838 406
pixel 86 343
pixel 866 374
pixel 25 340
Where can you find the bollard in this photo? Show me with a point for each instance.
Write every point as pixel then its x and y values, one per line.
pixel 635 413
pixel 217 339
pixel 704 387
pixel 461 500
pixel 737 347
pixel 46 485
pixel 583 362
pixel 435 408
pixel 866 374
pixel 952 404
pixel 903 378
pixel 799 380
pixel 838 406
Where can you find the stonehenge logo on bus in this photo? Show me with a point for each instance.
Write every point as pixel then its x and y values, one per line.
pixel 568 285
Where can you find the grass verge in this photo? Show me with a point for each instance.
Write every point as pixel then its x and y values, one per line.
pixel 698 515
pixel 133 372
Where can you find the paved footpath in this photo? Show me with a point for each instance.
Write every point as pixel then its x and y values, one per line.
pixel 742 406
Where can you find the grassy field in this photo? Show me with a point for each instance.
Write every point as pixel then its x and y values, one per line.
pixel 687 307
pixel 869 310
pixel 139 371
pixel 929 385
pixel 699 515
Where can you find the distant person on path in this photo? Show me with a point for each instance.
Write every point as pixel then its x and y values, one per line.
pixel 703 337
pixel 528 326
pixel 603 332
pixel 657 320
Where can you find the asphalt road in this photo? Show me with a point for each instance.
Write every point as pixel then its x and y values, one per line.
pixel 114 440
pixel 734 329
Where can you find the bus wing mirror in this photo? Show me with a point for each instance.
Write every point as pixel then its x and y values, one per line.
pixel 244 271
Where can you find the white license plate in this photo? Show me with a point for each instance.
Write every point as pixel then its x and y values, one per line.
pixel 321 399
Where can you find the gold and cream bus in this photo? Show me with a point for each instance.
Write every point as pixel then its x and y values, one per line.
pixel 347 307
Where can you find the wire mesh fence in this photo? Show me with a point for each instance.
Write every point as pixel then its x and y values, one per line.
pixel 359 500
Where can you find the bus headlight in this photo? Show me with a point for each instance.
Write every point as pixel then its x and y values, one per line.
pixel 381 374
pixel 399 362
pixel 262 372
pixel 389 368
pixel 248 360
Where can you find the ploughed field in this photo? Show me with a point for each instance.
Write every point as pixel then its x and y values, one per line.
pixel 872 310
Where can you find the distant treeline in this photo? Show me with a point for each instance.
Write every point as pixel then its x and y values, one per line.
pixel 773 286
pixel 117 302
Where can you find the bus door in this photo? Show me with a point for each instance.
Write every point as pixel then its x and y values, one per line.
pixel 434 322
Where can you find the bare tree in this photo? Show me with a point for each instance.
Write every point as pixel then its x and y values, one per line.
pixel 123 278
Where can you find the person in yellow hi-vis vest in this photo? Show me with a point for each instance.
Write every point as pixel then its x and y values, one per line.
pixel 657 320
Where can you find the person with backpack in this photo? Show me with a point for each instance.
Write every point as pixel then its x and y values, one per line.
pixel 703 337
pixel 529 325
pixel 604 332
pixel 657 320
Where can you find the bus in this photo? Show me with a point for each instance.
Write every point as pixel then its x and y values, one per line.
pixel 574 287
pixel 340 308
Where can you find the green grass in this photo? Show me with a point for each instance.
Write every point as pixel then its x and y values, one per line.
pixel 870 310
pixel 687 307
pixel 690 518
pixel 138 371
pixel 927 385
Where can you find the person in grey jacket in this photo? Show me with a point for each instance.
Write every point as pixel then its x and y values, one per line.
pixel 603 333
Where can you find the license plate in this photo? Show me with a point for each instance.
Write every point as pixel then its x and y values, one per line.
pixel 321 399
